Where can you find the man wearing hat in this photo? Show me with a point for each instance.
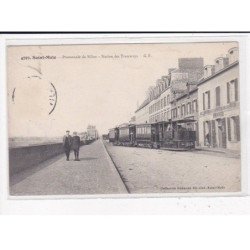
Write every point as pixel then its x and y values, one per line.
pixel 76 141
pixel 67 141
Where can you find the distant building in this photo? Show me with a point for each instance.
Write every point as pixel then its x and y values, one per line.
pixel 219 103
pixel 92 132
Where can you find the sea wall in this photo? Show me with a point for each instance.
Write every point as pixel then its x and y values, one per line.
pixel 21 158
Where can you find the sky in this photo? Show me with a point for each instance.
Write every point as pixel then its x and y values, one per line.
pixel 99 85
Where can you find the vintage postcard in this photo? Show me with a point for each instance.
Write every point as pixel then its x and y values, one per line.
pixel 124 119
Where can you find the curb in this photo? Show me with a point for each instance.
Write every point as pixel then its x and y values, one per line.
pixel 112 163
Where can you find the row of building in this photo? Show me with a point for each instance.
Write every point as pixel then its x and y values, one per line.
pixel 205 97
pixel 90 134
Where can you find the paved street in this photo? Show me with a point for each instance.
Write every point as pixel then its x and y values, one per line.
pixel 141 170
pixel 160 171
pixel 93 174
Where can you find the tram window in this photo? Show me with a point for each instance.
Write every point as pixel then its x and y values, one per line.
pixel 149 130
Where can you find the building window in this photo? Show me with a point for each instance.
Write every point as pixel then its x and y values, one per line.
pixel 179 111
pixel 165 101
pixel 217 94
pixel 233 128
pixel 174 112
pixel 189 108
pixel 183 110
pixel 206 100
pixel 232 91
pixel 195 106
pixel 168 99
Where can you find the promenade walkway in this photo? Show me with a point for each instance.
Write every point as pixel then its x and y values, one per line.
pixel 93 174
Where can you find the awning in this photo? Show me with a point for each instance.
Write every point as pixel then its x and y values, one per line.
pixel 186 120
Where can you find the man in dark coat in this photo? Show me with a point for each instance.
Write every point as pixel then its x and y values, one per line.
pixel 76 145
pixel 67 141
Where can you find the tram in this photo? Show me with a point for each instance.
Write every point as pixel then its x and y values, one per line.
pixel 173 135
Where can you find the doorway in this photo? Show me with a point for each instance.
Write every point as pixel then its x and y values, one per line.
pixel 222 139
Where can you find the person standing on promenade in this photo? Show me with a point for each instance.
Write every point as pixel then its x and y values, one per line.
pixel 76 145
pixel 67 141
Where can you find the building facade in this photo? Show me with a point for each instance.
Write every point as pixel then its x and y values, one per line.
pixel 142 113
pixel 184 109
pixel 206 99
pixel 219 103
pixel 157 105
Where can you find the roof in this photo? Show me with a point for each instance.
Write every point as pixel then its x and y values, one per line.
pixel 145 103
pixel 203 80
pixel 143 124
pixel 192 89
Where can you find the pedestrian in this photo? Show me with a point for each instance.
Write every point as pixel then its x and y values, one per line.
pixel 67 140
pixel 76 145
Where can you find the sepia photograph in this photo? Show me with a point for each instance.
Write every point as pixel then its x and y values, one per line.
pixel 124 119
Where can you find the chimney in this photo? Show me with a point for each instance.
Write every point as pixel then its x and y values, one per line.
pixel 233 55
pixel 208 70
pixel 220 63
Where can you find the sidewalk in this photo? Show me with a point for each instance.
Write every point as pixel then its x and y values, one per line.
pixel 227 152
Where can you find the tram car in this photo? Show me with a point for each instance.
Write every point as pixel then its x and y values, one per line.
pixel 145 135
pixel 175 136
pixel 126 135
pixel 165 135
pixel 105 137
pixel 113 135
